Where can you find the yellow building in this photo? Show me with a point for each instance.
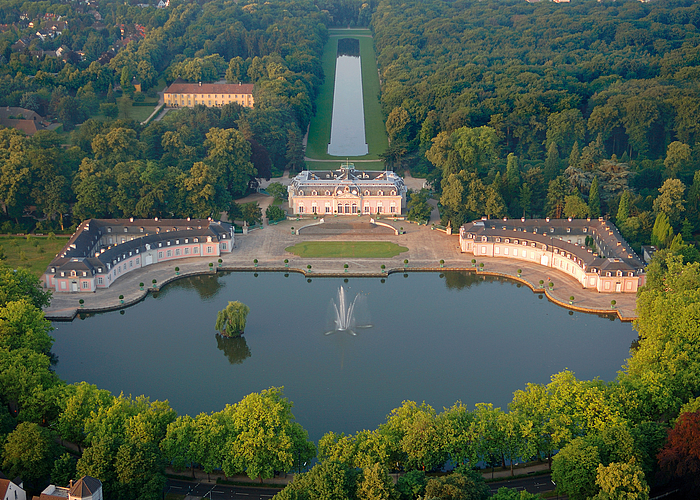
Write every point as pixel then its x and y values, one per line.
pixel 187 95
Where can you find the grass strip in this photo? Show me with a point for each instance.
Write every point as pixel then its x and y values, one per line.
pixel 346 249
pixel 320 127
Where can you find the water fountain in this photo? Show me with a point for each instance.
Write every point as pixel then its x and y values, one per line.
pixel 343 312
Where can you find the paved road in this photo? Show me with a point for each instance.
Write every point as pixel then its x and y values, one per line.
pixel 537 484
pixel 218 491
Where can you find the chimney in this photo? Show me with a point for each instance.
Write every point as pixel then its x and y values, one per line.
pixel 70 483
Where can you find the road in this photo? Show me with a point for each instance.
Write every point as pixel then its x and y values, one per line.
pixel 218 491
pixel 536 484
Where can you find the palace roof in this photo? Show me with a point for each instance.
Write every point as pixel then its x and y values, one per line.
pixel 86 253
pixel 347 175
pixel 182 87
pixel 614 253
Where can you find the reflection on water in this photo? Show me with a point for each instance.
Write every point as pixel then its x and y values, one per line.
pixel 235 349
pixel 207 286
pixel 349 47
pixel 459 280
pixel 348 122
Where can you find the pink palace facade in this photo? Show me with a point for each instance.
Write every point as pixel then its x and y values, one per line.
pixel 560 244
pixel 347 191
pixel 103 250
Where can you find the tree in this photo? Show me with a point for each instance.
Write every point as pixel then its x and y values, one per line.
pixel 417 206
pixel 594 199
pixel 375 484
pixel 662 233
pixel 278 191
pixel 466 485
pixel 63 470
pixel 231 320
pixel 670 200
pixel 556 194
pixel 621 481
pixel 328 480
pixel 80 401
pixel 677 158
pixel 229 154
pixel 575 207
pixel 514 494
pixel 266 437
pixel 18 284
pixel 411 485
pixel 23 326
pixel 274 213
pixel 251 212
pixel 574 469
pixel 623 209
pixel 29 452
pixel 680 456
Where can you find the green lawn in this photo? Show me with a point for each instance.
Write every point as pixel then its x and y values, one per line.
pixel 320 128
pixel 34 254
pixel 346 249
pixel 127 111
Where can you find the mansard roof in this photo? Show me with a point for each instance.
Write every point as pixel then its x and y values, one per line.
pixel 347 175
pixel 614 253
pixel 182 87
pixel 83 252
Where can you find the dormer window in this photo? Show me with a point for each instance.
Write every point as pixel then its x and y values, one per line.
pixel 196 240
pixel 168 243
pixel 380 193
pixel 314 193
pixel 300 193
pixel 393 192
pixel 568 229
pixel 507 240
pixel 498 240
pixel 160 244
pixel 483 238
pixel 140 230
pixel 187 240
pixel 619 273
pixel 516 242
pixel 126 230
pixel 328 193
pixel 109 229
pixel 608 273
pixel 177 242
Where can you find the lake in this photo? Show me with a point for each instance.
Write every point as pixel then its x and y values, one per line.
pixel 434 337
pixel 348 121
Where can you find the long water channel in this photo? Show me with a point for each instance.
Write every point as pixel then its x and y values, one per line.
pixel 348 123
pixel 433 338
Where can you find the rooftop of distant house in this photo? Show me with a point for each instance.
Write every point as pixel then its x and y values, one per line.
pixel 183 87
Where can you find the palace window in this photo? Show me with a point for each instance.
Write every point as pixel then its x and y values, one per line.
pixel 99 280
pixel 86 285
pixel 223 246
pixel 187 251
pixel 160 255
pixel 177 251
pixel 209 250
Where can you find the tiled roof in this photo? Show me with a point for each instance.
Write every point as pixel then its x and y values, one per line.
pixel 180 87
pixel 85 487
pixel 616 254
pixel 79 253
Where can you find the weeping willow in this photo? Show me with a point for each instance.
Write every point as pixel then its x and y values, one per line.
pixel 231 320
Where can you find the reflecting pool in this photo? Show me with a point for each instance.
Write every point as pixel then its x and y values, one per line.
pixel 348 122
pixel 430 337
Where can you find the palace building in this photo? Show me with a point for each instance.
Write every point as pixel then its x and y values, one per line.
pixel 563 244
pixel 347 191
pixel 187 95
pixel 102 250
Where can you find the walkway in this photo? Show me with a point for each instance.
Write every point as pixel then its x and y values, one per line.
pixel 426 248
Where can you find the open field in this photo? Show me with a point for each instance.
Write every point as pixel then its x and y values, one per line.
pixel 33 254
pixel 320 128
pixel 346 249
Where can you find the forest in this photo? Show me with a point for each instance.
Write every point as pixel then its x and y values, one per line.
pixel 509 108
pixel 542 109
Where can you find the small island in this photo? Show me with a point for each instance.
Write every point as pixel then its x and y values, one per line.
pixel 230 322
